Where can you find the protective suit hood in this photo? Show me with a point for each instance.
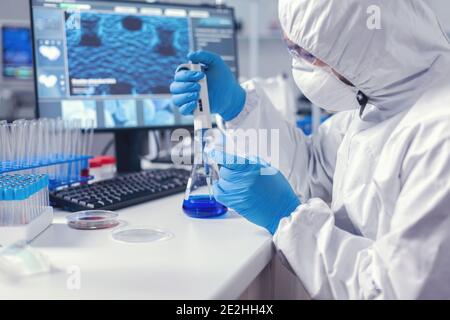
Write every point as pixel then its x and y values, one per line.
pixel 392 64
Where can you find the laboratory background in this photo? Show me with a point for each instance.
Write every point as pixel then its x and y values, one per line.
pixel 260 53
pixel 259 41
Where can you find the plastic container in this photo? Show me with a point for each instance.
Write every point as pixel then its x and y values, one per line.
pixel 102 167
pixel 95 169
pixel 108 167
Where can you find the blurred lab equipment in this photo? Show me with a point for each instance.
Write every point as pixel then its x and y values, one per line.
pixel 305 123
pixel 199 201
pixel 16 104
pixel 6 107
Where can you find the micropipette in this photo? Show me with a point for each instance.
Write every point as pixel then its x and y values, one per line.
pixel 198 202
pixel 202 122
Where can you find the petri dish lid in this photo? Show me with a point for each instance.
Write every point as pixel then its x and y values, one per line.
pixel 141 234
pixel 93 220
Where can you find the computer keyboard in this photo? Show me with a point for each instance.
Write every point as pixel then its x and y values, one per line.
pixel 122 191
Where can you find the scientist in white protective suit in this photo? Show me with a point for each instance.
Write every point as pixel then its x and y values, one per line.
pixel 362 209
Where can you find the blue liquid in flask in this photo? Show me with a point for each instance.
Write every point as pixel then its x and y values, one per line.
pixel 203 206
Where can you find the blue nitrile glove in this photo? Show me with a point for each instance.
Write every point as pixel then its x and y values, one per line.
pixel 254 189
pixel 226 96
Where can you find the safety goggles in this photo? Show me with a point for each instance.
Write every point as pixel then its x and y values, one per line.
pixel 298 52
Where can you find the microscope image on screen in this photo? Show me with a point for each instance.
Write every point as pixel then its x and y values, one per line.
pixel 120 113
pixel 115 54
pixel 159 112
pixel 79 110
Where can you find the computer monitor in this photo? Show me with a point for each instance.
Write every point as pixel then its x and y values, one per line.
pixel 17 53
pixel 113 61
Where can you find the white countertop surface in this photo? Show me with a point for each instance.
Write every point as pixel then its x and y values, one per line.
pixel 206 259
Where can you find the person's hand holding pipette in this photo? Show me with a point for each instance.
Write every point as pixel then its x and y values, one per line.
pixel 226 96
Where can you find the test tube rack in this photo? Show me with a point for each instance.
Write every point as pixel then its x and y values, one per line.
pixel 55 147
pixel 61 172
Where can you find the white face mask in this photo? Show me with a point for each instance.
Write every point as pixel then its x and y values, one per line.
pixel 323 88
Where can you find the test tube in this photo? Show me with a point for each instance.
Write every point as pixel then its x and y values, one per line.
pixel 20 141
pixel 79 147
pixel 5 143
pixel 26 145
pixel 32 152
pixel 45 141
pixel 59 143
pixel 15 137
pixel 66 149
pixel 39 143
pixel 51 171
pixel 90 136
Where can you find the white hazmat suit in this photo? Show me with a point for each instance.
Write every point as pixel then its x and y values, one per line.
pixel 375 182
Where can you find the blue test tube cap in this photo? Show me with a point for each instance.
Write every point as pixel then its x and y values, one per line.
pixel 21 187
pixel 9 193
pixel 20 193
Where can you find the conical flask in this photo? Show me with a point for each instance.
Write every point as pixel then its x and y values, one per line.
pixel 199 201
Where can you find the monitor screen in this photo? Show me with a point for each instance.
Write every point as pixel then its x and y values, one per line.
pixel 113 61
pixel 17 54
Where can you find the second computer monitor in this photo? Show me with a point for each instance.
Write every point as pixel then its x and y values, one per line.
pixel 113 61
pixel 17 55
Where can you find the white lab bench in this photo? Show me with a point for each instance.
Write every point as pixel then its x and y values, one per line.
pixel 206 259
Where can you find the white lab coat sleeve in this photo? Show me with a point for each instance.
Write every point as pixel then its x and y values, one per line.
pixel 409 262
pixel 308 163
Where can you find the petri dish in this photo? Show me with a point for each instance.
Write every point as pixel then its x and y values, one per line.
pixel 93 220
pixel 141 234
